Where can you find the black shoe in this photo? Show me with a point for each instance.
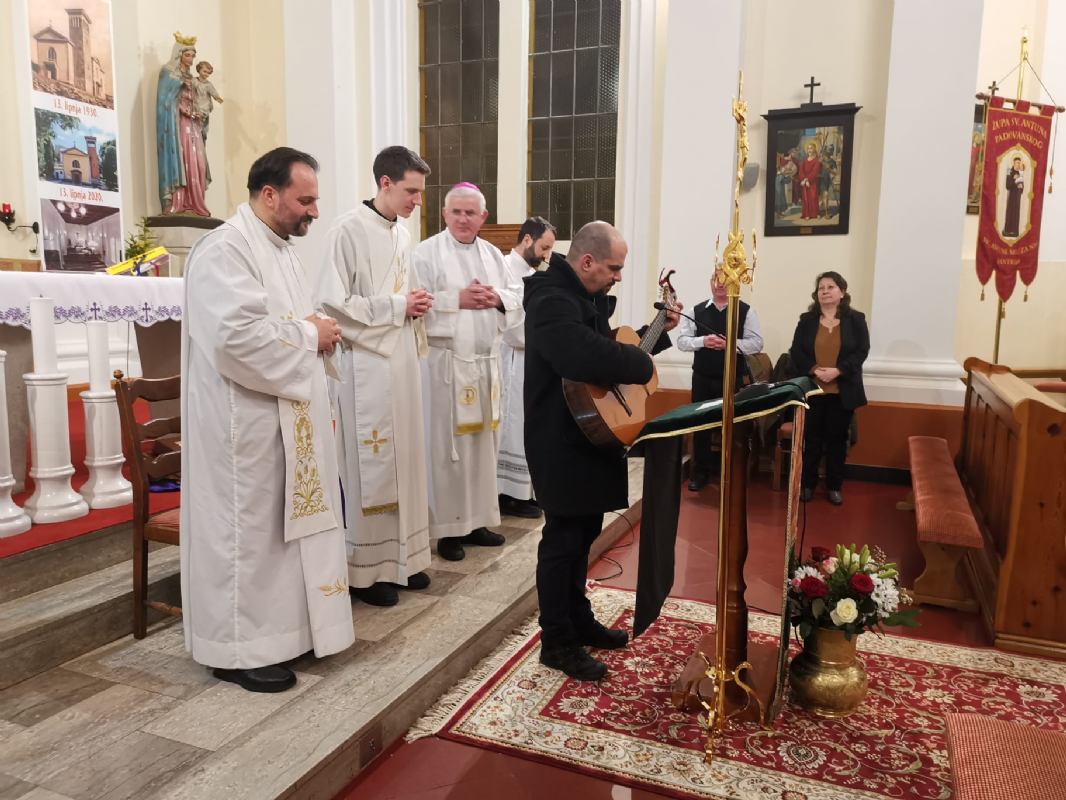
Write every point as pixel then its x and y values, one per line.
pixel 450 548
pixel 483 537
pixel 416 582
pixel 575 662
pixel 835 497
pixel 806 495
pixel 274 678
pixel 604 638
pixel 699 480
pixel 513 507
pixel 380 594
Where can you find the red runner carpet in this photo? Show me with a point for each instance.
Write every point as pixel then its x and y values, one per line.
pixel 625 728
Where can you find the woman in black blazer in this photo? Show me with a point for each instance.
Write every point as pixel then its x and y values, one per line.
pixel 830 344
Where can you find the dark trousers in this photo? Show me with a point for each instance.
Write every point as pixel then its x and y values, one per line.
pixel 826 433
pixel 562 564
pixel 707 388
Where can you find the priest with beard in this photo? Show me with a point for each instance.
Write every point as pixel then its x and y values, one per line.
pixel 263 575
pixel 536 238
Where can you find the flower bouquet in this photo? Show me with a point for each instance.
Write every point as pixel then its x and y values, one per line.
pixel 852 591
pixel 831 599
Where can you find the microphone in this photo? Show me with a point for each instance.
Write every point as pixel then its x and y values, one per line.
pixel 660 306
pixel 664 307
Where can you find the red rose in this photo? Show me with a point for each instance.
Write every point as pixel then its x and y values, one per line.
pixel 861 583
pixel 813 588
pixel 820 553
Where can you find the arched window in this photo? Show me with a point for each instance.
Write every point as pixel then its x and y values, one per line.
pixel 51 54
pixel 75 164
pixel 573 122
pixel 459 70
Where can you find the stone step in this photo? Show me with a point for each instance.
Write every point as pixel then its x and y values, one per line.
pixel 63 620
pixel 43 567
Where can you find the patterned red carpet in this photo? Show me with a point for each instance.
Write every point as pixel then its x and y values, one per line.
pixel 625 727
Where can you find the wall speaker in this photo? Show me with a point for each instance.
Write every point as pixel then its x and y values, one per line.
pixel 751 175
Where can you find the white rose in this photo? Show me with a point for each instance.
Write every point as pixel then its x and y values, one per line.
pixel 846 611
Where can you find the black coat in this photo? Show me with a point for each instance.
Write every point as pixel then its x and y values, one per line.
pixel 568 336
pixel 854 347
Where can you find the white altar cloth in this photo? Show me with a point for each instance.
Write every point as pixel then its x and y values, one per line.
pixel 86 296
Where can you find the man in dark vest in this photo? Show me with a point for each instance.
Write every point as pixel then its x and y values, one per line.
pixel 568 336
pixel 705 338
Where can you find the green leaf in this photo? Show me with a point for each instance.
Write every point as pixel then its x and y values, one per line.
pixel 805 629
pixel 818 608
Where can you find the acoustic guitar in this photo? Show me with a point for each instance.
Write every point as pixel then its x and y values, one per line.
pixel 612 416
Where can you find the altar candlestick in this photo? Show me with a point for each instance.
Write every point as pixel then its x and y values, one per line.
pixel 43 331
pixel 99 361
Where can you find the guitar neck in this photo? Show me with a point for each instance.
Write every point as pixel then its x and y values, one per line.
pixel 654 331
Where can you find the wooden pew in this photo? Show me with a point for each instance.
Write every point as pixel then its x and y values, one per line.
pixel 1013 465
pixel 947 529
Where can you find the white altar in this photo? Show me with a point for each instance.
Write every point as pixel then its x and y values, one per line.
pixel 144 334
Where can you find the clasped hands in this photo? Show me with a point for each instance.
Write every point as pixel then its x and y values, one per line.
pixel 714 341
pixel 329 332
pixel 826 374
pixel 419 301
pixel 478 296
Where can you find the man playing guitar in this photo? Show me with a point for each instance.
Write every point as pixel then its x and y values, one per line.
pixel 568 337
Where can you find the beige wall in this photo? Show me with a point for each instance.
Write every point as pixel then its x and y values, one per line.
pixel 849 58
pixel 12 188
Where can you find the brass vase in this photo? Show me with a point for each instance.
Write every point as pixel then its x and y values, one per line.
pixel 827 678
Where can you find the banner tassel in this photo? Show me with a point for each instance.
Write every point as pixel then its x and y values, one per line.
pixel 1025 297
pixel 982 294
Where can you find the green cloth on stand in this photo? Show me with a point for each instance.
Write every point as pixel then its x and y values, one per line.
pixel 748 405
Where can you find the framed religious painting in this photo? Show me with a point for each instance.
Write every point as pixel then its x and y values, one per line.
pixel 977 157
pixel 808 169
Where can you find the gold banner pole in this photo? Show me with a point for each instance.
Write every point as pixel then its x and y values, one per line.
pixel 735 271
pixel 1001 307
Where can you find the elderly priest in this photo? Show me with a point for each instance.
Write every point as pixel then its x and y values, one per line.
pixel 263 571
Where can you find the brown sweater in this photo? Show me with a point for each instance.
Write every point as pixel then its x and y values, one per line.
pixel 826 351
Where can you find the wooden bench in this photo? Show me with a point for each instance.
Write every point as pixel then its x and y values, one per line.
pixel 996 760
pixel 946 525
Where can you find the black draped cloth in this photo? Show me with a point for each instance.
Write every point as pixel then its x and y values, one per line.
pixel 660 444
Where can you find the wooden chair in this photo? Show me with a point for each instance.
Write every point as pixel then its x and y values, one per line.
pixel 782 448
pixel 153 451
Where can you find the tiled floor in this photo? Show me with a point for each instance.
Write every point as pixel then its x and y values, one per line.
pixel 432 769
pixel 139 719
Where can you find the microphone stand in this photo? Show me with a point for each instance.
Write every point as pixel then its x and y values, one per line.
pixel 707 329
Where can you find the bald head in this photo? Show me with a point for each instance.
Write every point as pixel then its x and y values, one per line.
pixel 597 255
pixel 595 239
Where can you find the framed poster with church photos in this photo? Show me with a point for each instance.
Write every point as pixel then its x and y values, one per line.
pixel 808 168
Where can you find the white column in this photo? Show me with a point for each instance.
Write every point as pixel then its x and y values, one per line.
pixel 637 159
pixel 389 85
pixel 53 499
pixel 512 128
pixel 321 106
pixel 931 71
pixel 12 518
pixel 698 152
pixel 105 488
pixel 392 82
pixel 1052 232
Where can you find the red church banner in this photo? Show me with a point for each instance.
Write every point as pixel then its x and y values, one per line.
pixel 1012 193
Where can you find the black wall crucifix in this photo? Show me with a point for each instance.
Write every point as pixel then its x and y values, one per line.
pixel 811 86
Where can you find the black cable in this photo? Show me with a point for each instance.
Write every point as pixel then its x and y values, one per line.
pixel 630 528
